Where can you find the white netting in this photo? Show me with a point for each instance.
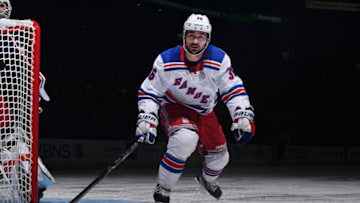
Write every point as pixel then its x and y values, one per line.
pixel 17 39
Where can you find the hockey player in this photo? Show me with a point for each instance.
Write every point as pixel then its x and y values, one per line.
pixel 184 84
pixel 5 9
pixel 9 152
pixel 45 179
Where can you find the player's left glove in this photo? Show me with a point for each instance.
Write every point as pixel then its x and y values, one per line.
pixel 243 125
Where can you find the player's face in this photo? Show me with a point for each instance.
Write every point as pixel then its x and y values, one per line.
pixel 195 41
pixel 3 9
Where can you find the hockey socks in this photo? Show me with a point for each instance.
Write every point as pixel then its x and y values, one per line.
pixel 170 170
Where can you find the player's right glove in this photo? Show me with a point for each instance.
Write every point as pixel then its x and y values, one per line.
pixel 243 125
pixel 146 125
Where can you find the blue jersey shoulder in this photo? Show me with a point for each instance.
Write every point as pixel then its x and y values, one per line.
pixel 214 53
pixel 171 55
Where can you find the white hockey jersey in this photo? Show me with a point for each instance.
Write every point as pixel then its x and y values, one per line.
pixel 171 81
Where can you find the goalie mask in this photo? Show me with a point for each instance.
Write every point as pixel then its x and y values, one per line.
pixel 5 9
pixel 197 22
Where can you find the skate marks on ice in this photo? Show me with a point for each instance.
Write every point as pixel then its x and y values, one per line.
pixel 238 185
pixel 82 201
pixel 275 189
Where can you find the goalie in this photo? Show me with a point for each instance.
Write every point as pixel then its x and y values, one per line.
pixel 13 155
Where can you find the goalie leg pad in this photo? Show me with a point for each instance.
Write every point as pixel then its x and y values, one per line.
pixel 45 179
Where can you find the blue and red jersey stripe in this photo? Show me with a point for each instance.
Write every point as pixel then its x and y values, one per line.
pixel 235 91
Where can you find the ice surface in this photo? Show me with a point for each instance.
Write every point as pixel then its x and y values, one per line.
pixel 248 184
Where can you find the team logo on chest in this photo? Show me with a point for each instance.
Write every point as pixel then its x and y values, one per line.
pixel 191 91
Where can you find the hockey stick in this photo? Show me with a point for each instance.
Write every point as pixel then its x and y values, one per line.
pixel 110 168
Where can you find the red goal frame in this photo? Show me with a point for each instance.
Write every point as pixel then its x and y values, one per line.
pixel 35 103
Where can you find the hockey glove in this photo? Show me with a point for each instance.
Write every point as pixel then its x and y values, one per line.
pixel 146 125
pixel 243 125
pixel 42 93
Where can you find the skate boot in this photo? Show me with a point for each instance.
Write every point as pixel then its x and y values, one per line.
pixel 40 193
pixel 213 188
pixel 161 194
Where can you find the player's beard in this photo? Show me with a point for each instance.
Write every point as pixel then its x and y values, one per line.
pixel 194 48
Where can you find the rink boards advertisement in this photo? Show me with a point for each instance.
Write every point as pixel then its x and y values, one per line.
pixel 77 153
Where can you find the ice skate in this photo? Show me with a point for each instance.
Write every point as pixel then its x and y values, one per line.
pixel 161 194
pixel 213 188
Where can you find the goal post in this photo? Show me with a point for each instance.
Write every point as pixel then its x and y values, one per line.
pixel 19 109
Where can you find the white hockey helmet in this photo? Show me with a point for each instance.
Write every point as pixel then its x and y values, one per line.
pixel 5 8
pixel 197 22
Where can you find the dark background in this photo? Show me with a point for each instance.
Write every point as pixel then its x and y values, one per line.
pixel 301 73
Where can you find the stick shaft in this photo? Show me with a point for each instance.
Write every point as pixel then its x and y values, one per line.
pixel 102 175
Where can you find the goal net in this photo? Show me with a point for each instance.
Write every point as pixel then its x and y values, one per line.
pixel 19 109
